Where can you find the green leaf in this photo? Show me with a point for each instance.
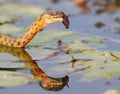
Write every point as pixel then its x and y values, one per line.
pixel 51 35
pixel 103 65
pixel 6 19
pixel 77 47
pixel 94 42
pixel 10 29
pixel 112 91
pixel 8 79
pixel 21 10
pixel 97 64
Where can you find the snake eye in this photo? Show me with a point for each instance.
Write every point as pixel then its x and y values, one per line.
pixel 66 21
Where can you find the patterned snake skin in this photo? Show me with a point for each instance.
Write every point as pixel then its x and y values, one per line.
pixel 43 20
pixel 48 83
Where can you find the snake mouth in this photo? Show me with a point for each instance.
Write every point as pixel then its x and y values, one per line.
pixel 66 21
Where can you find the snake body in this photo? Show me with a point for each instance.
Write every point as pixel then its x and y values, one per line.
pixel 43 20
pixel 7 42
pixel 47 82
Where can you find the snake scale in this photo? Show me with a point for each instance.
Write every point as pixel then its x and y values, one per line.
pixel 40 22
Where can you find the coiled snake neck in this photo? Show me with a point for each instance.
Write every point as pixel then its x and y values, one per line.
pixel 43 20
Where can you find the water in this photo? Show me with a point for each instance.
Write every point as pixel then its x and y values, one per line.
pixel 82 23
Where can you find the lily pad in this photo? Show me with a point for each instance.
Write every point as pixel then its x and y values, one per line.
pixel 102 71
pixel 96 64
pixel 94 42
pixel 51 35
pixel 8 79
pixel 10 29
pixel 103 65
pixel 21 10
pixel 77 47
pixel 112 91
pixel 6 19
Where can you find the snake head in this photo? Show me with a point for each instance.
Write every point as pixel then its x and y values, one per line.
pixel 54 84
pixel 56 16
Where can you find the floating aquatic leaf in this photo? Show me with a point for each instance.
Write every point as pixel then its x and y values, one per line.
pixel 104 65
pixel 8 78
pixel 97 64
pixel 51 35
pixel 112 91
pixel 98 55
pixel 10 29
pixel 6 19
pixel 77 47
pixel 94 42
pixel 21 10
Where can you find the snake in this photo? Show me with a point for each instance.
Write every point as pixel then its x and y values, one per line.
pixel 40 22
pixel 7 42
pixel 44 80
